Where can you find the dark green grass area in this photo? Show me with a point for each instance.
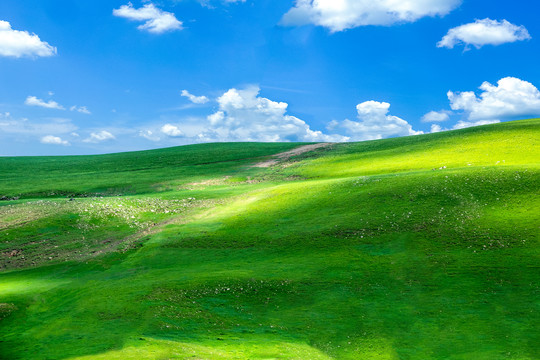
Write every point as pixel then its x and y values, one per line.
pixel 424 247
pixel 127 173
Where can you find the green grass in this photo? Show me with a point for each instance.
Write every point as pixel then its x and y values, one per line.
pixel 423 247
pixel 127 173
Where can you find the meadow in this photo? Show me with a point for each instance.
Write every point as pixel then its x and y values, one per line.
pixel 422 247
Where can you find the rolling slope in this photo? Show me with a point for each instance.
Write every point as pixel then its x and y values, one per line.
pixel 423 247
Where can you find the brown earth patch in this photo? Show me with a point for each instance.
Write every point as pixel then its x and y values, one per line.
pixel 288 154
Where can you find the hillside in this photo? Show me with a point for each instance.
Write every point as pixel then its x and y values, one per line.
pixel 423 247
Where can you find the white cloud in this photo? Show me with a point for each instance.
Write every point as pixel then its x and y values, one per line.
pixel 16 43
pixel 100 136
pixel 156 20
pixel 339 15
pixel 375 123
pixel 34 101
pixel 81 109
pixel 511 97
pixel 171 130
pixel 54 140
pixel 245 116
pixel 195 99
pixel 436 116
pixel 484 32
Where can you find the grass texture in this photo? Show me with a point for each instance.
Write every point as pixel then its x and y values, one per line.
pixel 423 247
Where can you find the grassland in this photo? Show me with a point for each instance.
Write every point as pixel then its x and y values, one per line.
pixel 423 247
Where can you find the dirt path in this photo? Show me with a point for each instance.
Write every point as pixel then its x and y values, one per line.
pixel 288 154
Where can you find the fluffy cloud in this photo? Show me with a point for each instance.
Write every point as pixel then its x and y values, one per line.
pixel 156 20
pixel 16 43
pixel 339 15
pixel 100 136
pixel 245 116
pixel 436 116
pixel 484 32
pixel 34 101
pixel 54 140
pixel 511 97
pixel 81 109
pixel 169 130
pixel 195 99
pixel 375 123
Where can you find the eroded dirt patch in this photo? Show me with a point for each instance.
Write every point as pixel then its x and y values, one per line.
pixel 6 310
pixel 288 154
pixel 46 232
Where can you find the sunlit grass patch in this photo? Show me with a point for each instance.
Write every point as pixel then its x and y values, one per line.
pixel 20 286
pixel 153 349
pixel 507 144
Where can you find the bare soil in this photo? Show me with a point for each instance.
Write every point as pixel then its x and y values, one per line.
pixel 288 154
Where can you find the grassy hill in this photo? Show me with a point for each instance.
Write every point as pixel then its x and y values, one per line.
pixel 423 247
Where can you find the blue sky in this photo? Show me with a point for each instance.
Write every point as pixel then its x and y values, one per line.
pixel 107 76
